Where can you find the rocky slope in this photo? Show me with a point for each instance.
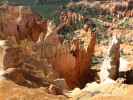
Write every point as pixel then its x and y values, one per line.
pixel 40 60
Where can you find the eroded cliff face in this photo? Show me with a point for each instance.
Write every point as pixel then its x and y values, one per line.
pixel 53 64
pixel 69 59
pixel 72 59
pixel 123 8
pixel 20 22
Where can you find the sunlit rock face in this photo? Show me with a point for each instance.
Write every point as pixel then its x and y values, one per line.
pixel 123 65
pixel 70 18
pixel 46 46
pixel 20 22
pixel 2 52
pixel 122 8
pixel 71 59
pixel 114 54
pixel 84 36
pixel 18 65
pixel 110 67
pixel 104 73
pixel 74 66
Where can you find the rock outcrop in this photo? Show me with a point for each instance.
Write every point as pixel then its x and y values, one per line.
pixel 24 69
pixel 20 22
pixel 69 59
pixel 70 18
pixel 110 67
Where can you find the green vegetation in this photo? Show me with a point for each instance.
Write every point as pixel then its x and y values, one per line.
pixel 124 24
pixel 46 10
pixel 109 18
